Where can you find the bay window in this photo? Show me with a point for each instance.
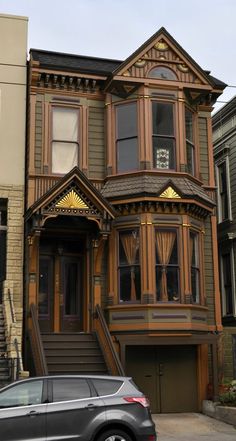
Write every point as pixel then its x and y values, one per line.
pixel 167 265
pixel 163 135
pixel 129 266
pixel 65 139
pixel 194 263
pixel 190 148
pixel 127 137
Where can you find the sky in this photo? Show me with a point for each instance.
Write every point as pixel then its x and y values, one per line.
pixel 206 29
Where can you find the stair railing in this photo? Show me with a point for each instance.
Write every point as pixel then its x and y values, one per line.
pixel 104 337
pixel 37 344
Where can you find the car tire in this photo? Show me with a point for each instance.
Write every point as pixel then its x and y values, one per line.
pixel 114 435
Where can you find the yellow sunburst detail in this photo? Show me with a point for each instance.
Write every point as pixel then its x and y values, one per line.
pixel 71 200
pixel 170 193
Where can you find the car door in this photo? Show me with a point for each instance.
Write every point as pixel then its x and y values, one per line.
pixel 22 412
pixel 74 412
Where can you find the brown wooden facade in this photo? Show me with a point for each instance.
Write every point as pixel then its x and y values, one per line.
pixel 121 209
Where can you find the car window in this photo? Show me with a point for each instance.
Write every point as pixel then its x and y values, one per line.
pixel 70 389
pixel 106 387
pixel 23 394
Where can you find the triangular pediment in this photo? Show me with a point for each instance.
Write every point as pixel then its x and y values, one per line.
pixel 73 195
pixel 170 191
pixel 162 50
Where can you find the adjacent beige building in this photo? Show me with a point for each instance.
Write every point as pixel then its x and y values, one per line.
pixel 13 77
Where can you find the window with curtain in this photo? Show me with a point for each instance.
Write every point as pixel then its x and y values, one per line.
pixel 167 266
pixel 127 137
pixel 163 135
pixel 190 148
pixel 129 266
pixel 195 268
pixel 65 139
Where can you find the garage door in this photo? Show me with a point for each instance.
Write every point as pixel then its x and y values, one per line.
pixel 166 374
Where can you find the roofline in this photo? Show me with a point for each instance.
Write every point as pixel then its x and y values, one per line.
pixel 75 55
pixel 224 111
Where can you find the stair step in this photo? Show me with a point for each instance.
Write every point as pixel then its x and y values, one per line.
pixel 69 345
pixel 68 338
pixel 75 360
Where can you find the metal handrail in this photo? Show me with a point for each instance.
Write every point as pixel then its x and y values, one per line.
pixel 11 306
pixel 116 367
pixel 37 344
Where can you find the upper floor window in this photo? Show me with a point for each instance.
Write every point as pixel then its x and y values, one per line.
pixel 163 135
pixel 190 148
pixel 129 266
pixel 167 266
pixel 127 137
pixel 162 73
pixel 222 178
pixel 227 286
pixel 195 269
pixel 65 139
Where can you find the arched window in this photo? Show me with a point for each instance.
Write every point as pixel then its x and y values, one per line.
pixel 162 73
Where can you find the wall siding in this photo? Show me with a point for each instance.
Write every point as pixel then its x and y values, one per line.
pixel 209 279
pixel 96 144
pixel 203 150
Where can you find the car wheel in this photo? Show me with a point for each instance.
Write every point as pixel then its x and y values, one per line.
pixel 114 435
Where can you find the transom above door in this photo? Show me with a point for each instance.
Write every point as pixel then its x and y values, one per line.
pixel 61 285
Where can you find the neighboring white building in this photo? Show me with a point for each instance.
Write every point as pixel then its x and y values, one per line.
pixel 13 78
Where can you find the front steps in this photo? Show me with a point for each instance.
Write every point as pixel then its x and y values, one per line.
pixel 73 353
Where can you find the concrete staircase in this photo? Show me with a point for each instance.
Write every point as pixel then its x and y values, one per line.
pixel 73 353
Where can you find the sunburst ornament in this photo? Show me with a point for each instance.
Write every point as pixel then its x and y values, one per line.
pixel 170 193
pixel 72 200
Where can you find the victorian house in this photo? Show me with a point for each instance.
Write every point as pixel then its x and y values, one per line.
pixel 224 140
pixel 121 221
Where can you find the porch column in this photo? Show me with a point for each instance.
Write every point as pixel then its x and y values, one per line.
pixel 98 250
pixel 147 259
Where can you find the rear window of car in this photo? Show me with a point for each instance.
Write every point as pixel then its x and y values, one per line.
pixel 106 387
pixel 70 389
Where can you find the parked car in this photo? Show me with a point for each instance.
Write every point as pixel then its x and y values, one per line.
pixel 85 408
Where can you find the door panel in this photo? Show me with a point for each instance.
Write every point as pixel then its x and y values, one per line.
pixel 166 374
pixel 71 295
pixel 46 292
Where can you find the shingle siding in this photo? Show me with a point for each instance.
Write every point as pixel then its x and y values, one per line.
pixel 96 144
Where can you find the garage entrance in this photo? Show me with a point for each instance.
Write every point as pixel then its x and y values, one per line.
pixel 166 374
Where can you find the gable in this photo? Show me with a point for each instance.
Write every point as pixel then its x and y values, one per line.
pixel 162 50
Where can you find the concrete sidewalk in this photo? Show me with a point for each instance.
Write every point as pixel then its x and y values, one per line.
pixel 192 427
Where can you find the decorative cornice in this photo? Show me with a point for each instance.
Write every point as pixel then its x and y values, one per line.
pixel 64 82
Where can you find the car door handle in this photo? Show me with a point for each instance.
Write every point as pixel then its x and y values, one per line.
pixel 32 413
pixel 91 406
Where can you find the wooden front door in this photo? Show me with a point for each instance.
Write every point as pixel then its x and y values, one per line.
pixel 167 375
pixel 60 293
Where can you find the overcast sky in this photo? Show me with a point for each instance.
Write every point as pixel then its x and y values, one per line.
pixel 206 29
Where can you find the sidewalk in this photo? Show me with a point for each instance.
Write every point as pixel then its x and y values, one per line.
pixel 192 427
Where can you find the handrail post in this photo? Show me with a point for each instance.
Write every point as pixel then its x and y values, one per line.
pixel 37 344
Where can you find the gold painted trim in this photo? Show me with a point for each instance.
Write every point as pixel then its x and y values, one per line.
pixel 170 193
pixel 72 200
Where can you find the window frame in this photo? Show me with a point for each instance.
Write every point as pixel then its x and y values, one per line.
pixel 224 161
pixel 190 143
pixel 173 137
pixel 65 106
pixel 178 265
pixel 118 139
pixel 120 266
pixel 196 268
pixel 230 252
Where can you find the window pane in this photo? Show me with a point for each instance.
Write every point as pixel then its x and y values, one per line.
pixel 22 394
pixel 164 153
pixel 223 191
pixel 129 247
pixel 162 119
pixel 106 387
pixel 127 274
pixel 227 282
pixel 189 125
pixel 127 155
pixel 162 73
pixel 195 285
pixel 172 278
pixel 3 253
pixel 64 157
pixel 70 389
pixel 65 124
pixel 190 158
pixel 126 121
pixel 45 285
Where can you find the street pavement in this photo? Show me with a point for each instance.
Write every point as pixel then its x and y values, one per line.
pixel 192 427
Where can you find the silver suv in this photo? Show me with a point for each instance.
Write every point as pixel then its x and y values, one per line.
pixel 85 408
